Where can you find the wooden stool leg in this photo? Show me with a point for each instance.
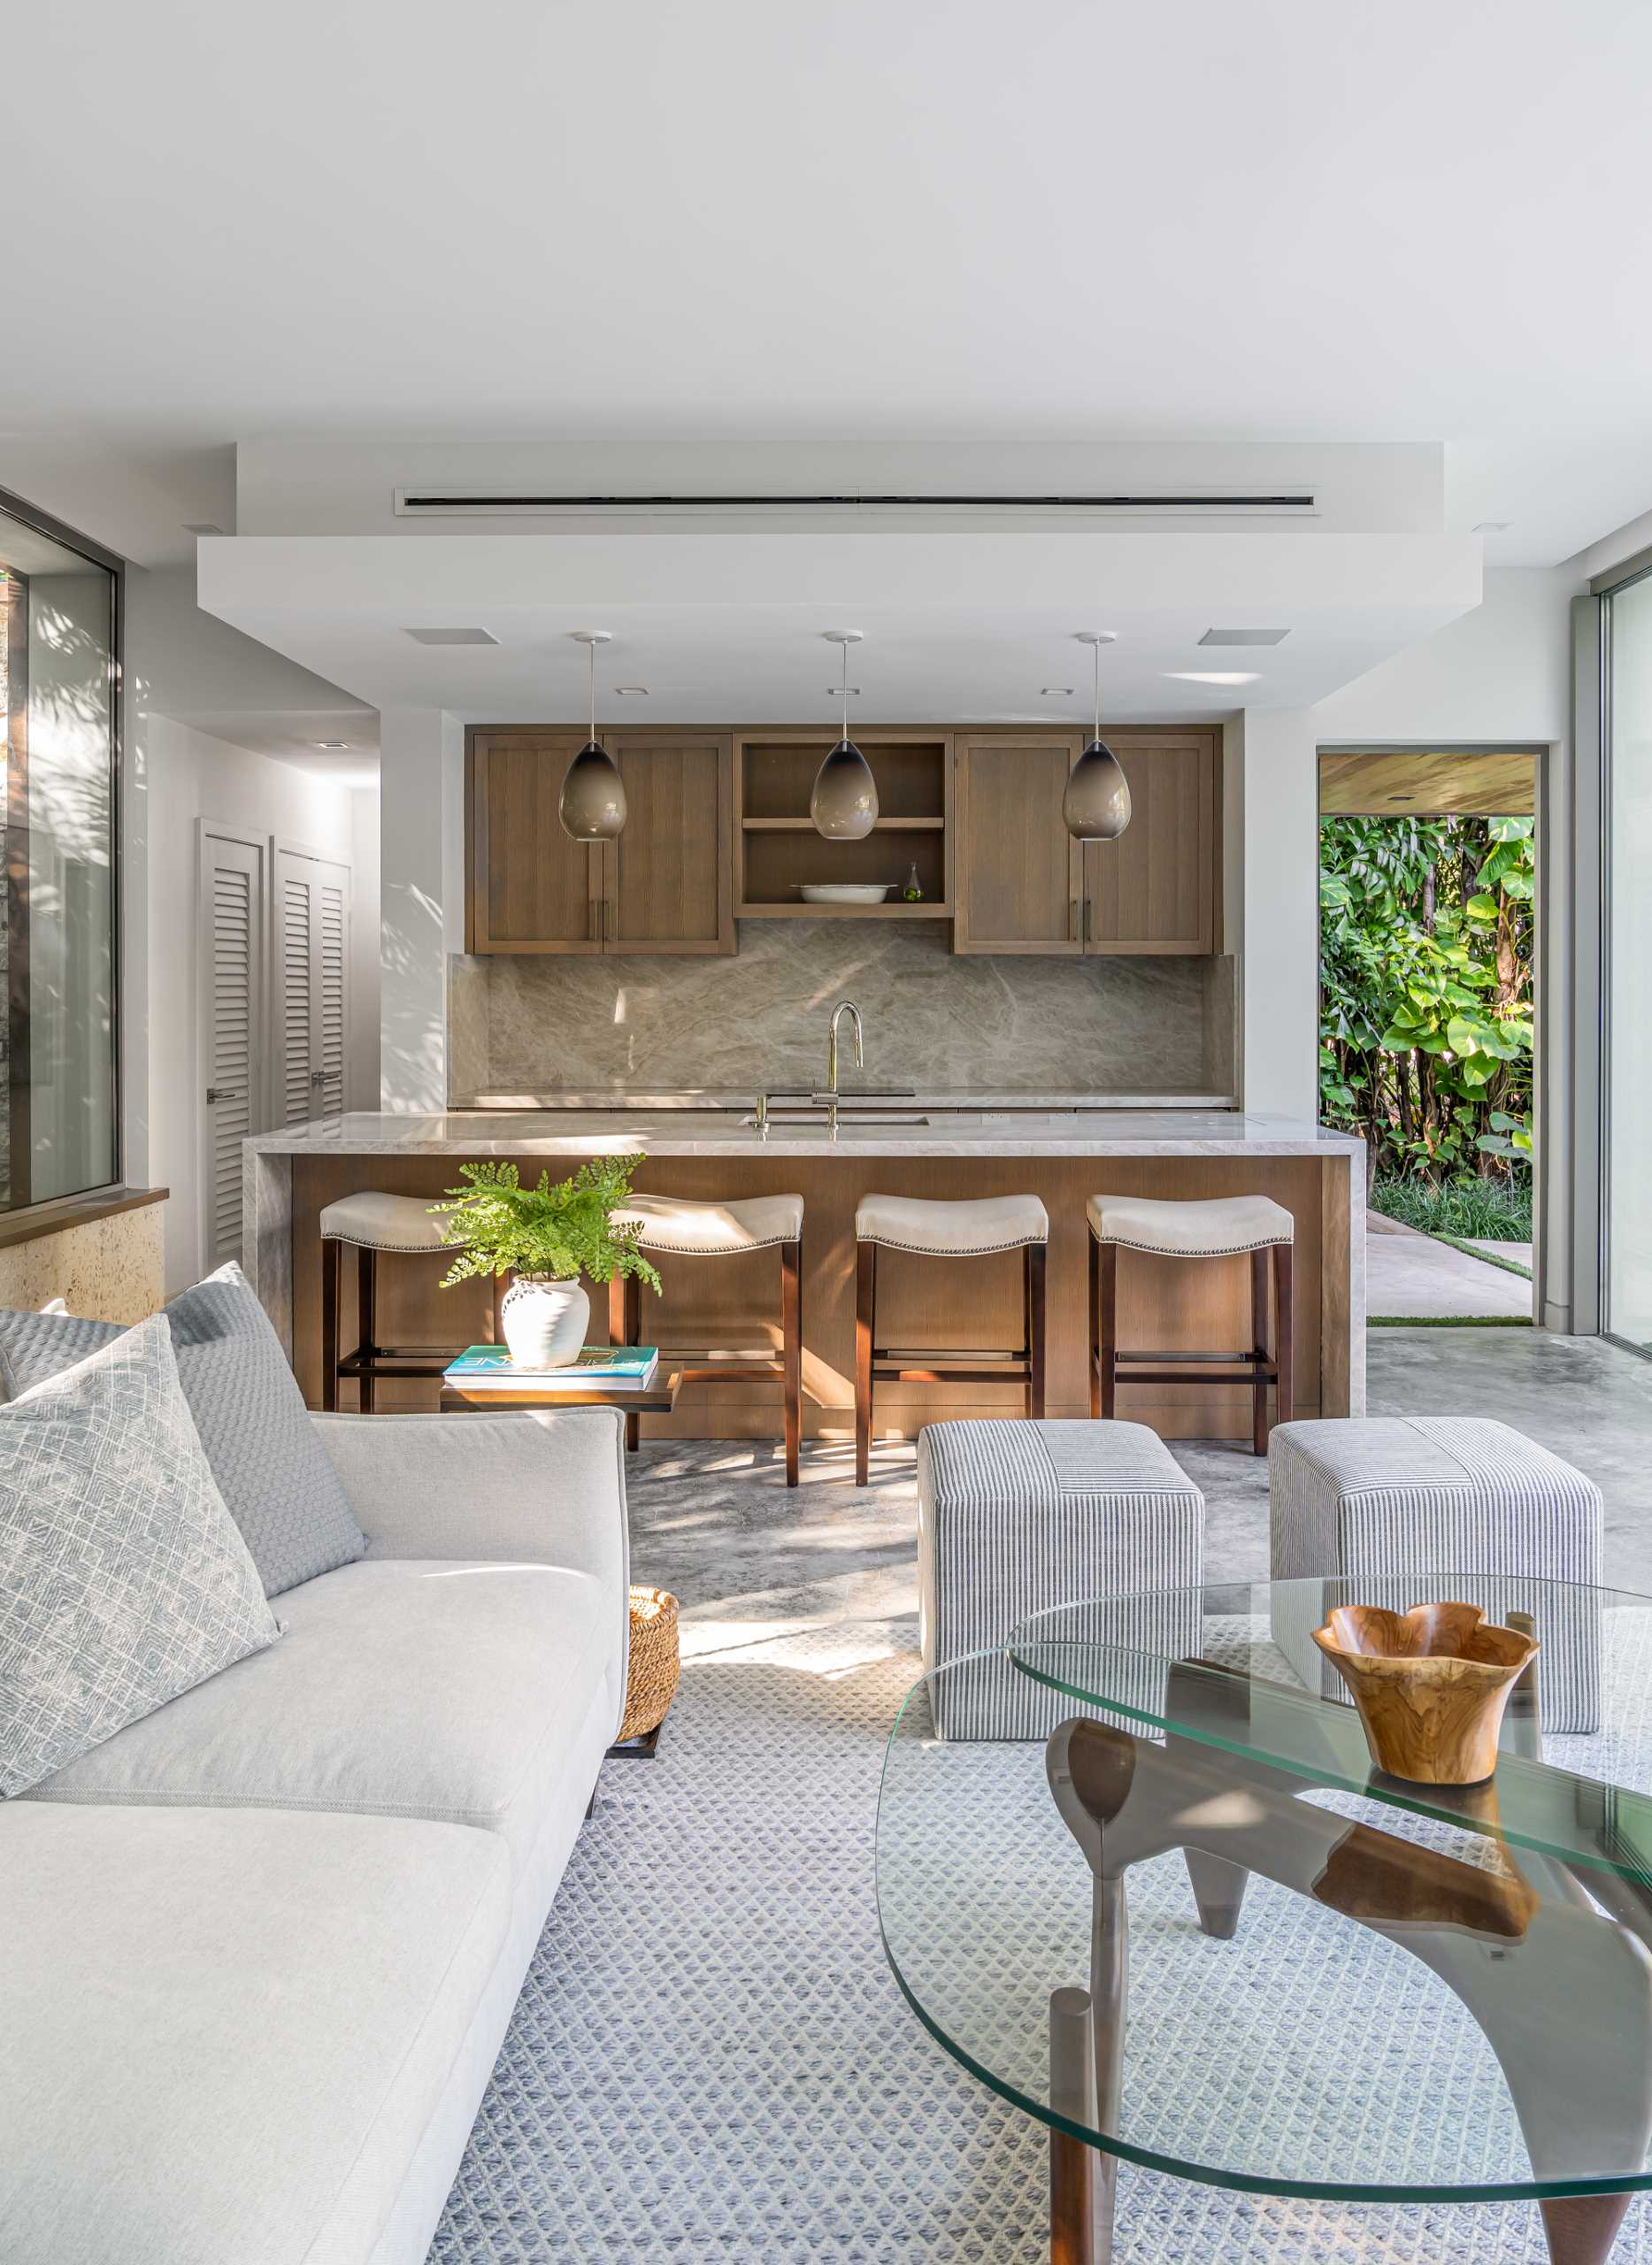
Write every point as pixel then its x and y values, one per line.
pixel 1093 1354
pixel 1259 1351
pixel 367 1345
pixel 1026 1327
pixel 623 1320
pixel 1109 1333
pixel 1284 1343
pixel 792 1351
pixel 865 1312
pixel 1036 1258
pixel 329 1324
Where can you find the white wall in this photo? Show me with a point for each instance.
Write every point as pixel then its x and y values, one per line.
pixel 1272 864
pixel 191 776
pixel 1502 671
pixel 421 825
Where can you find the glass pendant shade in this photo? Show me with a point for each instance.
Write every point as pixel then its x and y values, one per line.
pixel 1096 805
pixel 844 804
pixel 593 807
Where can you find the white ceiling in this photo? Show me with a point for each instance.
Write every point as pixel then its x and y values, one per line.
pixel 341 745
pixel 729 628
pixel 1284 220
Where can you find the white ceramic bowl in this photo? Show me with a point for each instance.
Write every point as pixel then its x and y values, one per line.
pixel 845 892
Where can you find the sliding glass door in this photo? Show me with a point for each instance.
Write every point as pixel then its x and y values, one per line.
pixel 1628 653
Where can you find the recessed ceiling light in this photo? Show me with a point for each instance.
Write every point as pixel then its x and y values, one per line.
pixel 330 743
pixel 624 691
pixel 1493 527
pixel 201 526
pixel 451 636
pixel 1056 691
pixel 1244 636
pixel 1215 676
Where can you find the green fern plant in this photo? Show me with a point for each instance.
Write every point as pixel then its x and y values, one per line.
pixel 501 1227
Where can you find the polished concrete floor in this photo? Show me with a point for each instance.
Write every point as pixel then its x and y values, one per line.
pixel 714 1521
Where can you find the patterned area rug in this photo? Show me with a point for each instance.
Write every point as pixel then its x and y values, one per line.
pixel 711 2060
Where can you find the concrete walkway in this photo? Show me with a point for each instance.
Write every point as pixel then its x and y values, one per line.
pixel 1413 1277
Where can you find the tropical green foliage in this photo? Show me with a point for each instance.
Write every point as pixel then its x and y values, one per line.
pixel 1426 938
pixel 1474 1210
pixel 502 1227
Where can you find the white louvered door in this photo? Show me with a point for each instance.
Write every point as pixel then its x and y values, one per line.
pixel 231 1029
pixel 311 1002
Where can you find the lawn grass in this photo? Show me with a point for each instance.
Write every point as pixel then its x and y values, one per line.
pixel 1448 1321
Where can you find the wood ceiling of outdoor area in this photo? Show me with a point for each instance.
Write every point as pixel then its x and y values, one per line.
pixel 1415 779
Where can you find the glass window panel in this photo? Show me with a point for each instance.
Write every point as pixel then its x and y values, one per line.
pixel 57 1100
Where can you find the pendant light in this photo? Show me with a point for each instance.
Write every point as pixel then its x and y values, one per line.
pixel 593 807
pixel 1096 805
pixel 844 804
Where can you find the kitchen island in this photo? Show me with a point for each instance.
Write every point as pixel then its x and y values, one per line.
pixel 916 1148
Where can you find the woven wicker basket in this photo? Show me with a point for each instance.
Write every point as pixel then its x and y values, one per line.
pixel 651 1684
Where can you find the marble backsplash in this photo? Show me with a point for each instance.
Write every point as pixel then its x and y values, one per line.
pixel 937 1024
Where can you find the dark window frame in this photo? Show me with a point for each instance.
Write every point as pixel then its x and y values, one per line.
pixel 42 523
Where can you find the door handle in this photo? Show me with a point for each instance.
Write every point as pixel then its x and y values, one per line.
pixel 222 1092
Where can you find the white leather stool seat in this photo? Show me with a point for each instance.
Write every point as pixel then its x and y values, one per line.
pixel 968 1230
pixel 372 1221
pixel 1221 1227
pixel 671 1223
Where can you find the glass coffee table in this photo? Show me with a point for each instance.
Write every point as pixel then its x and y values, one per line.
pixel 1341 1984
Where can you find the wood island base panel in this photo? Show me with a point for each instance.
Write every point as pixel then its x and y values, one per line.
pixel 732 1305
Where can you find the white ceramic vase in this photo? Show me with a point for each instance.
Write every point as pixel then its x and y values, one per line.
pixel 544 1322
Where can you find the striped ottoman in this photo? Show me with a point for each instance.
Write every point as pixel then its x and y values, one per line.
pixel 1373 1502
pixel 1014 1518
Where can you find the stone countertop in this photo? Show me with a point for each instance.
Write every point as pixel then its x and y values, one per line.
pixel 979 1132
pixel 741 1104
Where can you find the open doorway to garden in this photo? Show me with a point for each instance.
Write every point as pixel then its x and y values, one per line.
pixel 1428 1003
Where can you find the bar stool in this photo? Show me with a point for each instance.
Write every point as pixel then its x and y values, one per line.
pixel 372 1222
pixel 675 1226
pixel 937 1230
pixel 1227 1227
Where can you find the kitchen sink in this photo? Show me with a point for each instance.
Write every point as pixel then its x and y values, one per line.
pixel 845 1117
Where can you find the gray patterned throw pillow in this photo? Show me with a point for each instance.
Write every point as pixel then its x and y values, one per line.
pixel 123 1578
pixel 271 1468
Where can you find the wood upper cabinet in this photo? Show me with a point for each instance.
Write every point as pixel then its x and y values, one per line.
pixel 668 881
pixel 531 889
pixel 1024 884
pixel 1017 872
pixel 1154 890
pixel 664 887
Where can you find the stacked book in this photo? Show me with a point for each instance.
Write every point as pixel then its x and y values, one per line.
pixel 607 1368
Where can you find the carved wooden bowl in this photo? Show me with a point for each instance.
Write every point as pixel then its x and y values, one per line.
pixel 1431 1685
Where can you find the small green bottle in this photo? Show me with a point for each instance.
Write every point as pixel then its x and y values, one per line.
pixel 913 889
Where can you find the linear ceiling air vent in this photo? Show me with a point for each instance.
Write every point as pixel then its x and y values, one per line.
pixel 431 504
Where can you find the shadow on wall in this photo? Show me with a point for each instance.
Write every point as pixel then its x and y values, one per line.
pixel 413 972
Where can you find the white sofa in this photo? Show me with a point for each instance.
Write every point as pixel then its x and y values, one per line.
pixel 260 1949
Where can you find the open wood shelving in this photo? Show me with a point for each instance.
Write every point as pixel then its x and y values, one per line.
pixel 777 849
